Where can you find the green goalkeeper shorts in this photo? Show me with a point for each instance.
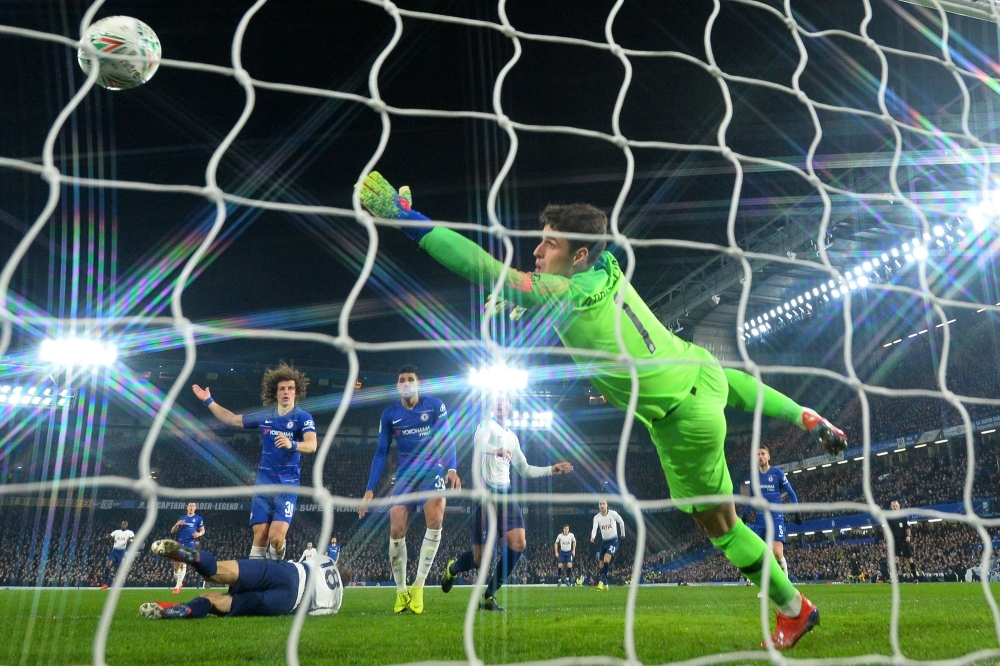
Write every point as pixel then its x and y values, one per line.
pixel 691 440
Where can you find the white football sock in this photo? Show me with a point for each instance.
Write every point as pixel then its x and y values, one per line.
pixel 432 539
pixel 784 565
pixel 794 607
pixel 397 560
pixel 180 573
pixel 258 552
pixel 276 553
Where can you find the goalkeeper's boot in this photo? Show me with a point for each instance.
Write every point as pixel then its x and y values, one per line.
pixel 173 550
pixel 402 601
pixel 161 610
pixel 416 601
pixel 828 435
pixel 490 604
pixel 790 629
pixel 448 579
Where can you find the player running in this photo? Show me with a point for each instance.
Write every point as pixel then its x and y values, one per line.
pixel 609 522
pixel 188 527
pixel 426 462
pixel 773 483
pixel 256 587
pixel 121 538
pixel 286 432
pixel 333 550
pixel 682 389
pixel 565 547
pixel 499 448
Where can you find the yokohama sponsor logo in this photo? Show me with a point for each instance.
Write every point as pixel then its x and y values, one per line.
pixel 422 430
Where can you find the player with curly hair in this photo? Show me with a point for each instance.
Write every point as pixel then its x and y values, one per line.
pixel 682 389
pixel 286 432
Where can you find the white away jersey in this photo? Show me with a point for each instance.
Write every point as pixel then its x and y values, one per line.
pixel 122 537
pixel 565 541
pixel 307 554
pixel 608 525
pixel 329 589
pixel 500 447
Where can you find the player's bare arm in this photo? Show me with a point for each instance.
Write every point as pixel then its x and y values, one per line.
pixel 307 445
pixel 218 411
pixel 453 480
pixel 177 526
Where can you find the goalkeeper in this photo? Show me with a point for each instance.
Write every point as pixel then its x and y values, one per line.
pixel 683 391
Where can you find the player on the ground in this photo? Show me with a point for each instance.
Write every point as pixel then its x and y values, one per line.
pixel 900 528
pixel 565 547
pixel 308 552
pixel 682 389
pixel 188 527
pixel 609 522
pixel 427 462
pixel 256 587
pixel 121 538
pixel 286 431
pixel 773 483
pixel 333 550
pixel 499 448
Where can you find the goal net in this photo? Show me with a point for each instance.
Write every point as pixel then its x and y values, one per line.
pixel 806 190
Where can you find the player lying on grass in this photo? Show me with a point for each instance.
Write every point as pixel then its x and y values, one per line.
pixel 256 587
pixel 682 393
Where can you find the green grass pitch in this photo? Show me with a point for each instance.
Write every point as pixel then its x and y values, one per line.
pixel 672 623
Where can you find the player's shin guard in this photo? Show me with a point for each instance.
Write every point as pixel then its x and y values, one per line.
pixel 784 565
pixel 428 550
pixel 179 574
pixel 743 396
pixel 198 607
pixel 277 554
pixel 750 554
pixel 604 572
pixel 258 552
pixel 397 560
pixel 502 570
pixel 206 566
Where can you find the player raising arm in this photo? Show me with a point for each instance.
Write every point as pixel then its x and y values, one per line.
pixel 426 462
pixel 188 527
pixel 286 432
pixel 499 449
pixel 682 389
pixel 612 526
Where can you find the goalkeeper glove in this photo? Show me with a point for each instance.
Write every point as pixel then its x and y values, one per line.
pixel 382 200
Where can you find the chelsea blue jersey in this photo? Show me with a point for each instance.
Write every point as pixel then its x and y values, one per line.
pixel 419 434
pixel 191 525
pixel 279 465
pixel 773 482
pixel 333 552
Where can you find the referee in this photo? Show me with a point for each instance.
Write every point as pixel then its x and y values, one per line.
pixel 901 535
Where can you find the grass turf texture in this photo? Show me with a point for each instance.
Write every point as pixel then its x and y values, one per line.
pixel 672 623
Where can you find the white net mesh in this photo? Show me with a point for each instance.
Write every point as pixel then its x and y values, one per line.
pixel 905 141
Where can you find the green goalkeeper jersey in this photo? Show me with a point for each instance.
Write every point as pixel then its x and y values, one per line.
pixel 584 313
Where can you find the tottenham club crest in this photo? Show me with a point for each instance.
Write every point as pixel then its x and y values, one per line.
pixel 424 416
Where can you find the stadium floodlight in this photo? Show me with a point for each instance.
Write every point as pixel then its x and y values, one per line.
pixel 920 252
pixel 499 377
pixel 69 352
pixel 938 230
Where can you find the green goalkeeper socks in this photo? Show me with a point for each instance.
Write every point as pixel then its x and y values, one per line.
pixel 743 395
pixel 749 554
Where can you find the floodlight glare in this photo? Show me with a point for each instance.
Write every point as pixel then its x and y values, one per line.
pixel 920 252
pixel 69 352
pixel 499 377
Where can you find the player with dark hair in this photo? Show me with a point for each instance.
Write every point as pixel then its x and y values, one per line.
pixel 286 432
pixel 427 462
pixel 901 534
pixel 612 528
pixel 120 538
pixel 773 483
pixel 682 389
pixel 188 527
pixel 499 449
pixel 333 550
pixel 256 587
pixel 565 548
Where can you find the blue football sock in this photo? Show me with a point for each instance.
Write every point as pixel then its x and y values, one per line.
pixel 199 607
pixel 206 565
pixel 503 568
pixel 464 562
pixel 604 572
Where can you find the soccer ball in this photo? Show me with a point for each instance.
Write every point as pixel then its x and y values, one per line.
pixel 126 36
